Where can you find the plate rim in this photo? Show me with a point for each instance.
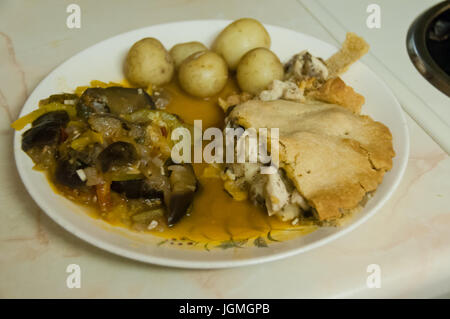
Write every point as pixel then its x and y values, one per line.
pixel 215 264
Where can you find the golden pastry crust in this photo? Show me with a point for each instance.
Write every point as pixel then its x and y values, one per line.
pixel 333 156
pixel 353 48
pixel 335 91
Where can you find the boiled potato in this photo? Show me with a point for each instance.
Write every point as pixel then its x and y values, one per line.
pixel 203 74
pixel 257 69
pixel 148 62
pixel 181 51
pixel 240 37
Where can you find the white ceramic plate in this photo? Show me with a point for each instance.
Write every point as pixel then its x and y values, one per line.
pixel 104 61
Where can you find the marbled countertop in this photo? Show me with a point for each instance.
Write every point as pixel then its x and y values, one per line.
pixel 408 238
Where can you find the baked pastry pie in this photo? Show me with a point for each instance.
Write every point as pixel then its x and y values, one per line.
pixel 330 158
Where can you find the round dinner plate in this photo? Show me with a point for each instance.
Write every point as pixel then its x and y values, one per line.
pixel 104 62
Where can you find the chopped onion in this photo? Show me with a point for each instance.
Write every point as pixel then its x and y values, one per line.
pixel 81 174
pixel 69 102
pixel 152 225
pixel 92 177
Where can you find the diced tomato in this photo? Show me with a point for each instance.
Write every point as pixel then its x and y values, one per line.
pixel 163 131
pixel 63 135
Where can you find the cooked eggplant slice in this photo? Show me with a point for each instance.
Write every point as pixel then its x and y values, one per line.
pixel 117 154
pixel 178 206
pixel 115 100
pixel 45 130
pixel 66 174
pixel 137 188
pixel 183 187
pixel 41 135
pixel 57 117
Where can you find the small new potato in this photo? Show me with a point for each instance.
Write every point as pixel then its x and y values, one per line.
pixel 257 69
pixel 181 51
pixel 148 62
pixel 203 74
pixel 240 37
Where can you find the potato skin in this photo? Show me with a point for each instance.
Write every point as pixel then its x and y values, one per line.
pixel 181 51
pixel 203 74
pixel 257 69
pixel 240 37
pixel 148 62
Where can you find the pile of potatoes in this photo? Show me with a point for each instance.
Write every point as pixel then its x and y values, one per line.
pixel 243 48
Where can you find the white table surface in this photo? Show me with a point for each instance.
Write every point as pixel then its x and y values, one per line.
pixel 408 238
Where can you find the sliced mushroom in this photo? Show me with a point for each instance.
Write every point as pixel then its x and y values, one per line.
pixel 183 186
pixel 115 100
pixel 117 154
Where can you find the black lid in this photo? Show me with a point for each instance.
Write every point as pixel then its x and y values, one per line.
pixel 428 44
